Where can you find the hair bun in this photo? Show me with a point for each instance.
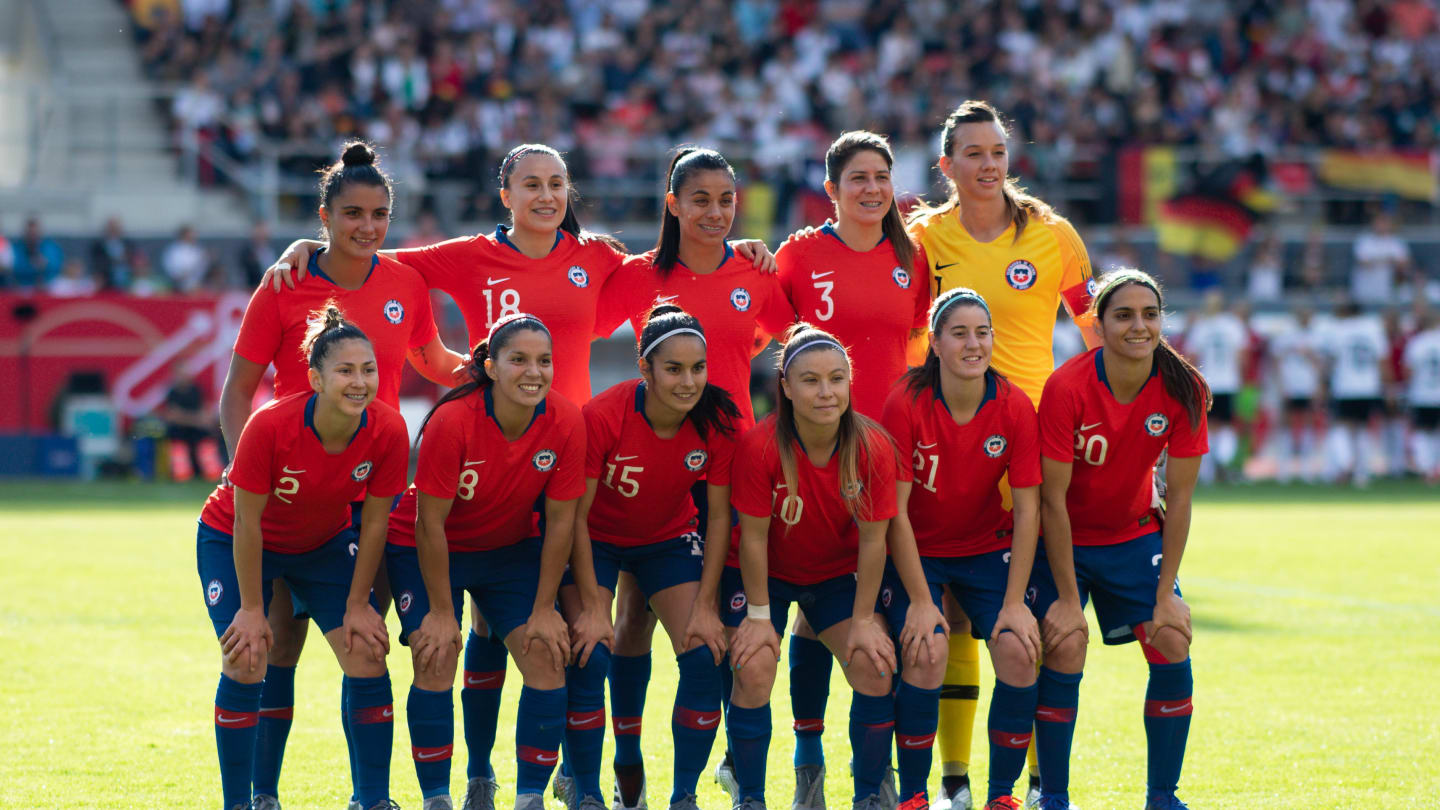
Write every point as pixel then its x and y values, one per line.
pixel 358 153
pixel 666 308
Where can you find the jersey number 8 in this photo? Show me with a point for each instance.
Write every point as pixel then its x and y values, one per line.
pixel 468 480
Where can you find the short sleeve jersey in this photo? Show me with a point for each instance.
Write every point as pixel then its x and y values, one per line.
pixel 1357 347
pixel 1216 343
pixel 392 308
pixel 730 303
pixel 1422 359
pixel 493 483
pixel 813 535
pixel 1113 447
pixel 1295 352
pixel 957 469
pixel 310 490
pixel 865 298
pixel 644 481
pixel 490 278
pixel 1022 281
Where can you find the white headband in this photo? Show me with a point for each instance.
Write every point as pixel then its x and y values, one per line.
pixel 784 369
pixel 684 330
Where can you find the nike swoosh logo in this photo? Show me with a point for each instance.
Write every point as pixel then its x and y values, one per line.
pixel 1169 710
pixel 908 744
pixel 807 727
pixel 943 266
pixel 292 472
pixel 625 458
pixel 489 281
pixel 1084 428
pixel 661 299
pixel 435 755
pixel 576 724
pixel 1019 740
pixel 703 722
pixel 1045 715
pixel 388 713
pixel 220 718
pixel 926 446
pixel 626 726
pixel 822 275
pixel 473 463
pixel 544 760
pixel 488 679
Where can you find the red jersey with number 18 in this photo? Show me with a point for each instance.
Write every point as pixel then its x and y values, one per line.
pixel 310 490
pixel 813 536
pixel 493 482
pixel 958 468
pixel 643 494
pixel 1113 447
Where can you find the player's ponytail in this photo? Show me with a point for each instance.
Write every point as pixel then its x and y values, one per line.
pixel 501 333
pixel 715 409
pixel 1183 382
pixel 688 161
pixel 358 163
pixel 326 327
pixel 847 146
pixel 926 376
pixel 570 223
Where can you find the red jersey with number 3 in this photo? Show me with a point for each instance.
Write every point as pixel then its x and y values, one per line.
pixel 1112 447
pixel 494 482
pixel 643 494
pixel 310 490
pixel 392 308
pixel 957 469
pixel 730 303
pixel 865 298
pixel 813 536
pixel 490 278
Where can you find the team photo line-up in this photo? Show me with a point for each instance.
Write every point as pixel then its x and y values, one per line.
pixel 928 481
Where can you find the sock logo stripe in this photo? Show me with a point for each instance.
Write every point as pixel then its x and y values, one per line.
pixel 484 680
pixel 225 718
pixel 280 713
pixel 537 756
pixel 374 714
pixel 585 721
pixel 1053 714
pixel 811 725
pixel 699 721
pixel 1180 707
pixel 629 726
pixel 431 754
pixel 915 742
pixel 1010 739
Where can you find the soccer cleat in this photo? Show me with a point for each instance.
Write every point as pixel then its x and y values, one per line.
pixel 809 788
pixel 1164 801
pixel 629 785
pixel 563 788
pixel 725 778
pixel 385 804
pixel 1032 796
pixel 354 805
pixel 917 802
pixel 529 801
pixel 871 802
pixel 889 793
pixel 687 802
pixel 1055 803
pixel 590 803
pixel 958 799
pixel 264 801
pixel 1003 803
pixel 750 804
pixel 480 794
pixel 442 802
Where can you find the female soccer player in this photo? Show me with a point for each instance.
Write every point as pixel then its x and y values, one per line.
pixel 490 448
pixel 815 488
pixel 284 514
pixel 967 427
pixel 388 301
pixel 649 441
pixel 1026 260
pixel 1105 418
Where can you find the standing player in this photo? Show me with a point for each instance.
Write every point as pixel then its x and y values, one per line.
pixel 1105 418
pixel 967 427
pixel 388 301
pixel 491 449
pixel 1422 361
pixel 284 514
pixel 649 441
pixel 1026 260
pixel 1217 341
pixel 815 487
pixel 1359 371
pixel 1296 355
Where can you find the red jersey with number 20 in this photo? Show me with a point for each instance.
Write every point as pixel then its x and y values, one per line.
pixel 643 494
pixel 1113 447
pixel 813 536
pixel 957 468
pixel 310 490
pixel 493 482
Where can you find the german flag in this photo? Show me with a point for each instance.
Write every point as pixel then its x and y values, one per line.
pixel 1406 174
pixel 1213 228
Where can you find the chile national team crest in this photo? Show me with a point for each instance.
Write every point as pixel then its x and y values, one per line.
pixel 1156 424
pixel 737 602
pixel 578 276
pixel 544 460
pixel 740 299
pixel 901 277
pixel 213 592
pixel 695 460
pixel 394 311
pixel 362 471
pixel 1092 287
pixel 404 601
pixel 994 446
pixel 1021 274
pixel 887 595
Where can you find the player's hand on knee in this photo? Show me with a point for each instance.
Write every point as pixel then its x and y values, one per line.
pixel 247 638
pixel 362 625
pixel 1063 618
pixel 546 627
pixel 434 640
pixel 591 627
pixel 750 638
pixel 867 637
pixel 1171 611
pixel 917 637
pixel 705 627
pixel 1021 622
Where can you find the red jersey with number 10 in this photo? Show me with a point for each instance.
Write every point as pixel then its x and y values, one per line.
pixel 1112 447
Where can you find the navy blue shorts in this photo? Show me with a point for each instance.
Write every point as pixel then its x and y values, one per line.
pixel 502 582
pixel 319 580
pixel 825 604
pixel 977 581
pixel 1122 579
pixel 655 566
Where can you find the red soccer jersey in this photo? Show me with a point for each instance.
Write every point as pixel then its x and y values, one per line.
pixel 392 308
pixel 494 482
pixel 489 278
pixel 729 303
pixel 813 537
pixel 310 490
pixel 643 494
pixel 1113 447
pixel 864 298
pixel 958 468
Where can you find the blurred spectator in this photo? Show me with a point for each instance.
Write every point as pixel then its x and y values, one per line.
pixel 37 257
pixel 1295 354
pixel 144 281
pixel 1217 341
pixel 187 423
pixel 1359 371
pixel 1265 283
pixel 74 281
pixel 256 254
pixel 112 256
pixel 185 261
pixel 1382 262
pixel 426 231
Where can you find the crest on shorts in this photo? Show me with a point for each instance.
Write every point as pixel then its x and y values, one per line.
pixel 1021 274
pixel 695 460
pixel 740 299
pixel 362 471
pixel 1156 424
pixel 578 276
pixel 394 311
pixel 404 601
pixel 737 602
pixel 544 460
pixel 887 595
pixel 994 446
pixel 901 277
pixel 213 592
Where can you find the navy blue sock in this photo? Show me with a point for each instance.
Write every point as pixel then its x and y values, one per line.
pixel 872 725
pixel 917 713
pixel 237 713
pixel 1167 723
pixel 485 660
pixel 431 716
pixel 372 730
pixel 727 682
pixel 1012 716
pixel 585 721
pixel 349 739
pixel 1058 699
pixel 539 727
pixel 810 664
pixel 749 734
pixel 629 678
pixel 695 719
pixel 277 711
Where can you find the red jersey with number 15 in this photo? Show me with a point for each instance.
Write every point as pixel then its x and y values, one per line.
pixel 494 482
pixel 643 494
pixel 310 490
pixel 957 468
pixel 813 536
pixel 1112 447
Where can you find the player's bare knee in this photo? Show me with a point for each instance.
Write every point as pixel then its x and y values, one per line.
pixel 1012 662
pixel 1068 654
pixel 756 678
pixel 429 679
pixel 242 672
pixel 866 678
pixel 925 673
pixel 537 668
pixel 1171 644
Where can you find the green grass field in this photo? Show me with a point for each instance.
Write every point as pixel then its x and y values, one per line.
pixel 1316 651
